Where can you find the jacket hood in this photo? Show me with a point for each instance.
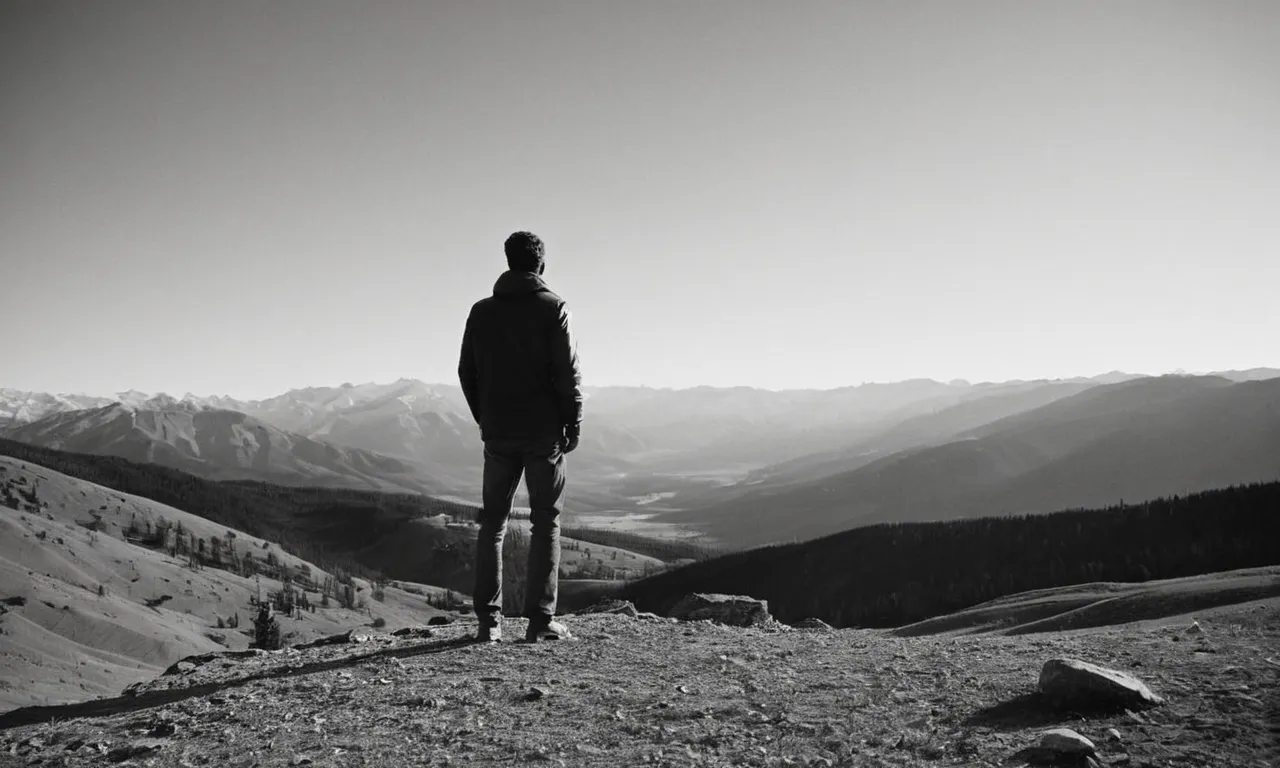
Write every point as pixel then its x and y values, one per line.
pixel 517 283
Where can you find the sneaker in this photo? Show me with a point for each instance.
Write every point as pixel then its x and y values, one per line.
pixel 552 630
pixel 489 633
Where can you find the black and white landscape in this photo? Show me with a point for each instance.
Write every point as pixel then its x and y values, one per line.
pixel 928 363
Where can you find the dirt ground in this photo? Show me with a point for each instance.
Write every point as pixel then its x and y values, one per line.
pixel 652 692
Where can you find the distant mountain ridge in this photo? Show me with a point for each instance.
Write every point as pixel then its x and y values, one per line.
pixel 1134 440
pixel 218 444
pixel 689 447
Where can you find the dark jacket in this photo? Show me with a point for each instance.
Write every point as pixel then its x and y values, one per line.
pixel 519 365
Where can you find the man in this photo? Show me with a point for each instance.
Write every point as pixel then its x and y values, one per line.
pixel 520 375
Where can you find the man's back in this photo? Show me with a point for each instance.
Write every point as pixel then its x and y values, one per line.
pixel 519 366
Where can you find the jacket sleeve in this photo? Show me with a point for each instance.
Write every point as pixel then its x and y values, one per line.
pixel 468 373
pixel 565 370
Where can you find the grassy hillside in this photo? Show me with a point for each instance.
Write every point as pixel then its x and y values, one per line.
pixel 894 574
pixel 1104 604
pixel 321 525
pixel 88 605
pixel 365 533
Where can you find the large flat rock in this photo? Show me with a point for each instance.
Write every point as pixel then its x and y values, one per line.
pixel 1075 683
pixel 732 610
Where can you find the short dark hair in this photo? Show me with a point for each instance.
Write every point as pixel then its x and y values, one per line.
pixel 524 251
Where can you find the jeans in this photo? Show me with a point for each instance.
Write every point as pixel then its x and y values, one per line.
pixel 542 464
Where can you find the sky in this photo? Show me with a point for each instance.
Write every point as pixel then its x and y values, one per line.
pixel 240 198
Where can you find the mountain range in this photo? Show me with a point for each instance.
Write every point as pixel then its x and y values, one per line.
pixel 740 465
pixel 1133 441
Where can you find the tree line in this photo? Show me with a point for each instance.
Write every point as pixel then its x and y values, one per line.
pixel 889 575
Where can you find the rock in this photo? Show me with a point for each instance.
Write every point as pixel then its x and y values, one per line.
pixel 1064 741
pixel 181 668
pixel 625 607
pixel 414 632
pixel 1114 735
pixel 350 636
pixel 536 692
pixel 731 610
pixel 1074 683
pixel 439 621
pixel 134 749
pixel 812 623
pixel 1195 628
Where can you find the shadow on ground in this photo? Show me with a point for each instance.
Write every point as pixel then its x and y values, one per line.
pixel 1030 710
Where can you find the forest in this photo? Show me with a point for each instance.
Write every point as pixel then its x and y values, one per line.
pixel 889 575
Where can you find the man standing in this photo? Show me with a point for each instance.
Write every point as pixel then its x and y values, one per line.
pixel 520 375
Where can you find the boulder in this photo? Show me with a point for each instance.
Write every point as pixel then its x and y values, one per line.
pixel 624 607
pixel 1079 684
pixel 731 610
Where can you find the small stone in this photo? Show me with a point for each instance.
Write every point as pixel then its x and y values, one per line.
pixel 1114 735
pixel 537 692
pixel 350 636
pixel 414 632
pixel 437 621
pixel 1066 741
pixel 132 750
pixel 1195 628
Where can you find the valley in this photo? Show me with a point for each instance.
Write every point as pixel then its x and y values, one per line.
pixel 137 531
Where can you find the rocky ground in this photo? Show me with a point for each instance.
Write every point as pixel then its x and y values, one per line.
pixel 650 691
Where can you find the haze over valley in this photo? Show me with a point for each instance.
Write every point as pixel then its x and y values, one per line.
pixel 732 466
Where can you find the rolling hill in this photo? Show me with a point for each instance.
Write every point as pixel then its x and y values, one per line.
pixel 85 609
pixel 888 575
pixel 1128 441
pixel 407 537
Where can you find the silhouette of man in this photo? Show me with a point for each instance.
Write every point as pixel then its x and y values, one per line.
pixel 519 373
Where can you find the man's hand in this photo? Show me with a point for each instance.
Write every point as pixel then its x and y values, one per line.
pixel 570 441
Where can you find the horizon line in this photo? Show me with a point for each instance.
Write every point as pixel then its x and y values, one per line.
pixel 959 381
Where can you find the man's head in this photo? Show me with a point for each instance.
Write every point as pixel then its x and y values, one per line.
pixel 525 252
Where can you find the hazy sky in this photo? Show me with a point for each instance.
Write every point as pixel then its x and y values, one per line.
pixel 243 197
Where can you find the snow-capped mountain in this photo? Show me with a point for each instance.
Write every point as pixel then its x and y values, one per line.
pixel 23 406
